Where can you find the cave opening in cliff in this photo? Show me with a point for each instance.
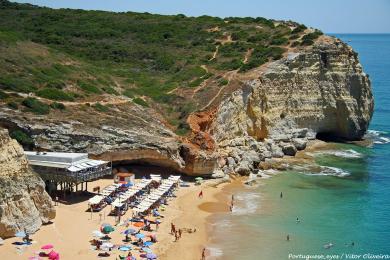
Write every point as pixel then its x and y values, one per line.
pixel 329 137
pixel 143 169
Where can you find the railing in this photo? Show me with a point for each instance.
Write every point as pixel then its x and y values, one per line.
pixel 67 176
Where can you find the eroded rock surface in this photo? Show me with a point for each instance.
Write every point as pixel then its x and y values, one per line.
pixel 24 203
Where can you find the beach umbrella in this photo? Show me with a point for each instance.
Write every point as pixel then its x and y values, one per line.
pixel 129 231
pixel 125 248
pixel 198 178
pixel 48 246
pixel 106 237
pixel 97 234
pixel 151 256
pixel 20 234
pixel 140 235
pixel 138 224
pixel 107 229
pixel 53 255
pixel 107 244
pixel 148 243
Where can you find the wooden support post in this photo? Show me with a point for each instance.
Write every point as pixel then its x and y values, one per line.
pixel 86 186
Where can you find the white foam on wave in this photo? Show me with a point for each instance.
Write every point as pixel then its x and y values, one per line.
pixel 223 224
pixel 214 251
pixel 246 203
pixel 331 171
pixel 342 153
pixel 378 137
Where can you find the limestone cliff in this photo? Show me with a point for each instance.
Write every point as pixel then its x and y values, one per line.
pixel 24 203
pixel 271 111
pixel 322 89
pixel 314 92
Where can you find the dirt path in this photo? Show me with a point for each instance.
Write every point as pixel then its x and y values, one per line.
pixel 111 101
pixel 229 76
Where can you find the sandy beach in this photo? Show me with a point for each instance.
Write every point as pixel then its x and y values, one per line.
pixel 71 230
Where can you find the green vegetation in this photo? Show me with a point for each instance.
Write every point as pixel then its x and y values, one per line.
pixel 12 105
pixel 54 94
pixel 308 39
pixel 21 137
pixel 101 108
pixel 261 55
pixel 299 28
pixel 222 82
pixel 36 106
pixel 68 55
pixel 3 95
pixel 58 106
pixel 141 102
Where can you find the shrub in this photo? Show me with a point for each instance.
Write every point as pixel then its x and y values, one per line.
pixel 195 82
pixel 54 94
pixel 299 28
pixel 89 87
pixel 223 82
pixel 308 39
pixel 3 95
pixel 21 137
pixel 128 93
pixel 56 105
pixel 140 101
pixel 36 106
pixel 12 105
pixel 101 108
pixel 110 90
pixel 279 41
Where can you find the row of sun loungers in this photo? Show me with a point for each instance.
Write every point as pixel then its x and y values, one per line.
pixel 120 198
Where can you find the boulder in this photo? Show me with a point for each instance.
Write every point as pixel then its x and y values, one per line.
pixel 288 149
pixel 244 168
pixel 276 151
pixel 299 143
pixel 218 174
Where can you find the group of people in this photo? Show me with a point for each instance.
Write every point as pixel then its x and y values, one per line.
pixel 176 232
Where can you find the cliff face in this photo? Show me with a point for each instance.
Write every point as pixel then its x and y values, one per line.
pixel 322 89
pixel 24 203
pixel 270 111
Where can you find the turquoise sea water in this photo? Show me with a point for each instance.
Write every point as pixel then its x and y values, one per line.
pixel 353 206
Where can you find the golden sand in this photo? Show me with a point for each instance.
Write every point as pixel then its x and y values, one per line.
pixel 71 230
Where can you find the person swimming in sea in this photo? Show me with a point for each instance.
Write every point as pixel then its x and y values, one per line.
pixel 298 221
pixel 288 237
pixel 281 195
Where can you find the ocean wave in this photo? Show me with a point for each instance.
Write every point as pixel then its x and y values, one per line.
pixel 331 171
pixel 342 153
pixel 246 203
pixel 378 137
pixel 215 251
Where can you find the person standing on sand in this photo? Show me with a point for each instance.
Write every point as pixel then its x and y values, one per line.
pixel 288 237
pixel 204 253
pixel 56 201
pixel 176 236
pixel 173 229
pixel 200 194
pixel 179 232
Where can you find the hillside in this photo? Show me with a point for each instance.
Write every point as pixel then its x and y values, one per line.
pixel 153 60
pixel 181 92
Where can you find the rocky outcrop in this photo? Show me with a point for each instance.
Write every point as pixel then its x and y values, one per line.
pixel 24 203
pixel 320 91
